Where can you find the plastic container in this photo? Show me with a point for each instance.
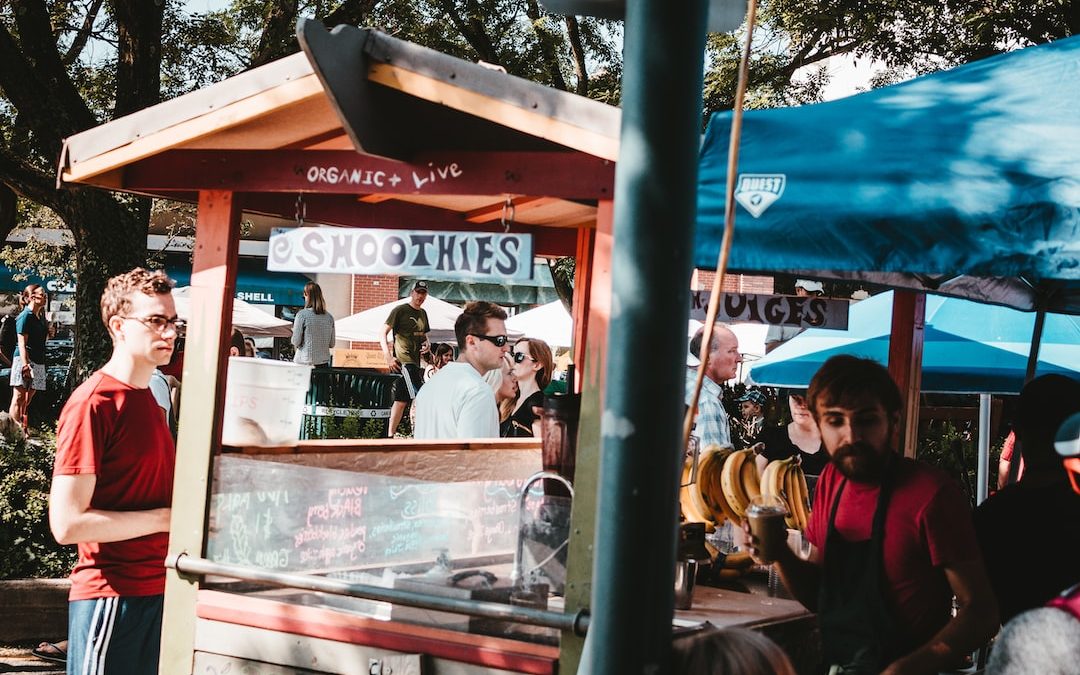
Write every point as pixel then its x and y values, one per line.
pixel 264 402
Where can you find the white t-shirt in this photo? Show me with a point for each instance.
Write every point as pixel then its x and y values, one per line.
pixel 456 403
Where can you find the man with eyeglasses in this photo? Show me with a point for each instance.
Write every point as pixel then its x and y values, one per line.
pixel 112 485
pixel 457 402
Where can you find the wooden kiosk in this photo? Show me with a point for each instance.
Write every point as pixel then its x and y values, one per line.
pixel 369 106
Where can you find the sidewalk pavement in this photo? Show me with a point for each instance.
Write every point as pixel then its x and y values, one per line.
pixel 19 660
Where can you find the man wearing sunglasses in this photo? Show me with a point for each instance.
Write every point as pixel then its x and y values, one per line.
pixel 456 402
pixel 1040 514
pixel 112 485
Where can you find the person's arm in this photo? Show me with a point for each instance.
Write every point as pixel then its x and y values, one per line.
pixel 23 353
pixel 393 364
pixel 975 623
pixel 801 577
pixel 298 331
pixel 72 520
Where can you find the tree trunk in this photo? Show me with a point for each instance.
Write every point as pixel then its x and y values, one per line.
pixel 110 239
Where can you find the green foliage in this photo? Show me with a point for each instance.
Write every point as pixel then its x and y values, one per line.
pixel 27 548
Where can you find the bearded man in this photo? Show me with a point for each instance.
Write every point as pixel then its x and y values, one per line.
pixel 892 540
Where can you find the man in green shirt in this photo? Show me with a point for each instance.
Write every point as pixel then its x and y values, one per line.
pixel 410 325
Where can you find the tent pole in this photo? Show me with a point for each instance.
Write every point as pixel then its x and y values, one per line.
pixel 983 472
pixel 905 361
pixel 1032 367
pixel 640 453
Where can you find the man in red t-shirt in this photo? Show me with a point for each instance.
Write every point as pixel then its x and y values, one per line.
pixel 892 539
pixel 112 485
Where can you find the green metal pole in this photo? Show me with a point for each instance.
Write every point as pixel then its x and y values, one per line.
pixel 641 459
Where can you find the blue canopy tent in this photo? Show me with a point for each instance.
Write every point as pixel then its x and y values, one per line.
pixel 968 347
pixel 963 182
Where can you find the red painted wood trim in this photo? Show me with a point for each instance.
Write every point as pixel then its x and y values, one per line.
pixel 586 239
pixel 317 622
pixel 599 311
pixel 905 361
pixel 568 175
pixel 377 445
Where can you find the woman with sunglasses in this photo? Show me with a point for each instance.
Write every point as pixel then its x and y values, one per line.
pixel 533 365
pixel 800 437
pixel 28 364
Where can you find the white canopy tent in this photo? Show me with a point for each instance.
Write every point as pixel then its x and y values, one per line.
pixel 553 324
pixel 252 321
pixel 370 324
pixel 550 323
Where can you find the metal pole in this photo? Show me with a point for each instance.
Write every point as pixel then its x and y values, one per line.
pixel 983 472
pixel 190 565
pixel 655 204
pixel 1032 367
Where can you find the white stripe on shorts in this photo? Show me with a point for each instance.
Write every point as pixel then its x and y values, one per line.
pixel 101 623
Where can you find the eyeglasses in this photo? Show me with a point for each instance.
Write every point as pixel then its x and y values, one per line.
pixel 497 340
pixel 521 356
pixel 159 323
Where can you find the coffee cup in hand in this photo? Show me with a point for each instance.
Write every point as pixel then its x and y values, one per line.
pixel 765 515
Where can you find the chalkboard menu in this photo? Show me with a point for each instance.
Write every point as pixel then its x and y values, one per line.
pixel 295 518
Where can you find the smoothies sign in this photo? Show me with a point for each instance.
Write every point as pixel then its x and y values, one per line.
pixel 460 256
pixel 775 310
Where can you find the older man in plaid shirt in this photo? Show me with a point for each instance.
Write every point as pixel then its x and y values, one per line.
pixel 724 358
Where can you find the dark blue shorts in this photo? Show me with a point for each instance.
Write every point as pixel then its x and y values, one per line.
pixel 114 636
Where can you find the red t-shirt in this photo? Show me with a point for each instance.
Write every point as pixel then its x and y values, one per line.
pixel 119 434
pixel 928 527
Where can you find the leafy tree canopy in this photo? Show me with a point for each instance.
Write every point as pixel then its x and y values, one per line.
pixel 68 65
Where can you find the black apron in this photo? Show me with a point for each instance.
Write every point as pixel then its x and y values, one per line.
pixel 858 630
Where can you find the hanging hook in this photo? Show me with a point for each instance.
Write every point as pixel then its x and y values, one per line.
pixel 301 209
pixel 507 214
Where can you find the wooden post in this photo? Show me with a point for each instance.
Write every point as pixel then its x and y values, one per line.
pixel 592 297
pixel 905 361
pixel 583 275
pixel 213 286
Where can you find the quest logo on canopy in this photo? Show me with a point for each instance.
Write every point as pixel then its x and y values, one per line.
pixel 460 256
pixel 757 191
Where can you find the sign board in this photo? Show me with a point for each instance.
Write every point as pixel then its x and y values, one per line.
pixel 775 310
pixel 359 358
pixel 429 254
pixel 296 518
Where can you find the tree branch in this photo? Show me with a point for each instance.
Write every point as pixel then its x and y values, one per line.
pixel 577 48
pixel 278 36
pixel 547 41
pixel 84 33
pixel 473 31
pixel 138 58
pixel 28 181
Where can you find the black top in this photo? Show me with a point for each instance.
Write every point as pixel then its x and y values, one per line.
pixel 33 328
pixel 519 425
pixel 778 445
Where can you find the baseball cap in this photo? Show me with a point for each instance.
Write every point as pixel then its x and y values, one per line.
pixel 420 286
pixel 810 286
pixel 1067 439
pixel 753 396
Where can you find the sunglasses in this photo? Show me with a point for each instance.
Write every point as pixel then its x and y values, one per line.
pixel 497 340
pixel 521 356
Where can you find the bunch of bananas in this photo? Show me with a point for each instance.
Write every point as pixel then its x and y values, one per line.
pixel 784 478
pixel 695 497
pixel 739 482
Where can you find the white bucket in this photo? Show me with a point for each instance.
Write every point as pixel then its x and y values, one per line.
pixel 264 402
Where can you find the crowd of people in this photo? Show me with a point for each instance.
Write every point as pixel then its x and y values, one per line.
pixel 894 541
pixel 903 576
pixel 492 389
